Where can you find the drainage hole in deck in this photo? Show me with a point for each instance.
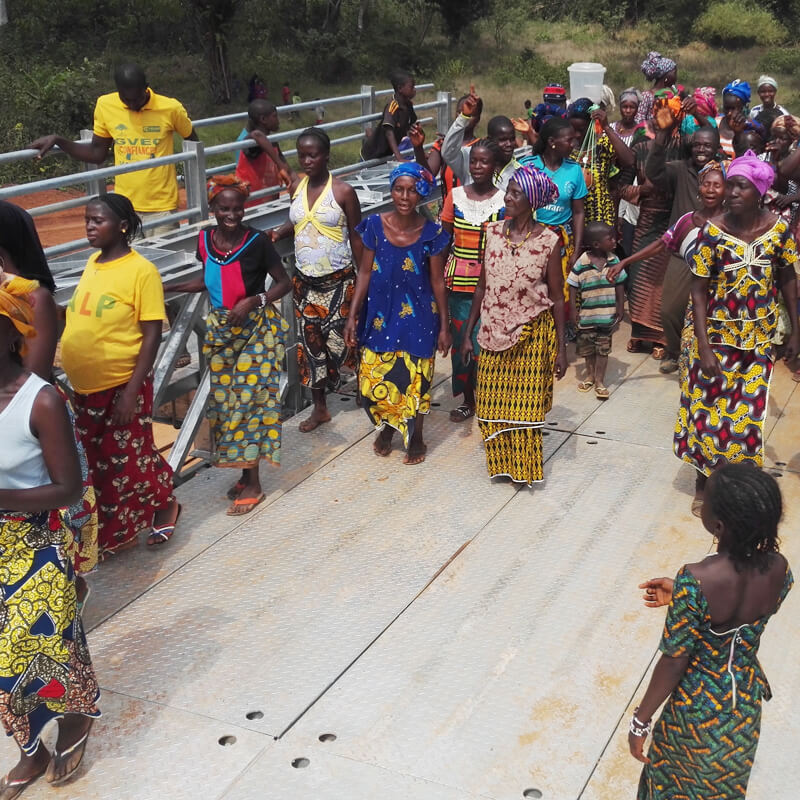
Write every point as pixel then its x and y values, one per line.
pixel 327 737
pixel 590 441
pixel 531 793
pixel 227 741
pixel 300 763
pixel 254 715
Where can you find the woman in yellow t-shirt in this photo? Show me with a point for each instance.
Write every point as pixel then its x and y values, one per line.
pixel 108 349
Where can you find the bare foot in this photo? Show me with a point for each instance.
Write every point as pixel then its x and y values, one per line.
pixel 416 453
pixel 318 417
pixel 383 443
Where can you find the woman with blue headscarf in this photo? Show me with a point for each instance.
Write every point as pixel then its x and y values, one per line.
pixel 735 102
pixel 520 300
pixel 398 315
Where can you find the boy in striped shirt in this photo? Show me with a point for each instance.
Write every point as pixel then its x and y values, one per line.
pixel 597 303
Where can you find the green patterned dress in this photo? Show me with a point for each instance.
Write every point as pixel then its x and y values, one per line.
pixel 705 740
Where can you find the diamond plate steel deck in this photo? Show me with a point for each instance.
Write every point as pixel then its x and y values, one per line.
pixel 461 638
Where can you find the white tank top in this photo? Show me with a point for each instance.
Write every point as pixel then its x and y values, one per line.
pixel 21 462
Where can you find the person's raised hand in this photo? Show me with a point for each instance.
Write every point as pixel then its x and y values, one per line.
pixel 689 106
pixel 737 121
pixel 600 115
pixel 43 144
pixel 657 592
pixel 792 126
pixel 470 104
pixel 417 135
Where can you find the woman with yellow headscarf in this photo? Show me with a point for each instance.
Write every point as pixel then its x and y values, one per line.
pixel 45 670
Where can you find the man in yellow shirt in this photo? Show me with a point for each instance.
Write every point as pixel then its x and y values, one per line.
pixel 139 125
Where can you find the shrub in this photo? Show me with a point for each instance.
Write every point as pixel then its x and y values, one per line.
pixel 780 59
pixel 736 23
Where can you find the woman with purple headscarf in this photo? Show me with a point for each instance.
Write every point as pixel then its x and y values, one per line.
pixel 520 300
pixel 663 72
pixel 743 259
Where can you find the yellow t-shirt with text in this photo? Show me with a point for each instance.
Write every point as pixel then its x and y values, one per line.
pixel 141 135
pixel 102 338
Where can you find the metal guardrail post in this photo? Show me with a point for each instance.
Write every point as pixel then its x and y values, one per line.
pixel 194 175
pixel 93 187
pixel 367 103
pixel 443 115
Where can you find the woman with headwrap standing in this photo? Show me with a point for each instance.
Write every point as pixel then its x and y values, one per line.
pixel 46 673
pixel 743 259
pixel 108 349
pixel 735 100
pixel 520 301
pixel 244 343
pixel 663 72
pixel 399 311
pixel 609 150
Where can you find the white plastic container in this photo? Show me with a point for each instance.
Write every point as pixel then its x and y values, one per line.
pixel 586 80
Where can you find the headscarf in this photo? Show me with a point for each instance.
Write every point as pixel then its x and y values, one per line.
pixel 536 186
pixel 554 93
pixel 19 237
pixel 765 80
pixel 706 99
pixel 15 303
pixel 580 108
pixel 217 184
pixel 758 172
pixel 656 66
pixel 631 93
pixel 740 89
pixel 546 111
pixel 423 180
pixel 715 166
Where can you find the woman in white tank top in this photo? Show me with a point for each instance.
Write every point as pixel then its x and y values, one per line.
pixel 322 217
pixel 45 670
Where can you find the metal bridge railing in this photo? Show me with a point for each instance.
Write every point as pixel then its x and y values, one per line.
pixel 174 253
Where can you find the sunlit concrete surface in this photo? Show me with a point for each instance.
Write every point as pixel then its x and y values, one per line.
pixel 381 631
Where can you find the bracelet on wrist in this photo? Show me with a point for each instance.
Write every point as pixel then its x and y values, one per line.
pixel 637 727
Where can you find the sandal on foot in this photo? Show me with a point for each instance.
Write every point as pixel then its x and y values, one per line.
pixel 183 361
pixel 161 534
pixel 585 386
pixel 81 604
pixel 244 505
pixel 16 787
pixel 462 413
pixel 235 490
pixel 796 376
pixel 637 346
pixel 659 352
pixel 59 759
pixel 601 392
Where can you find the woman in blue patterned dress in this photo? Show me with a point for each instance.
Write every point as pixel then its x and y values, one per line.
pixel 705 740
pixel 399 309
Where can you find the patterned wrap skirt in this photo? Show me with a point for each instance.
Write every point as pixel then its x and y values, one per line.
pixel 395 388
pixel 244 409
pixel 131 480
pixel 45 669
pixel 321 306
pixel 646 278
pixel 721 420
pixel 463 377
pixel 514 393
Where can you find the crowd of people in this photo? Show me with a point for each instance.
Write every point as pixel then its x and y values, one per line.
pixel 548 225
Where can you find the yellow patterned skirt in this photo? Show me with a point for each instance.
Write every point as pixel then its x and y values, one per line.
pixel 514 392
pixel 395 388
pixel 721 420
